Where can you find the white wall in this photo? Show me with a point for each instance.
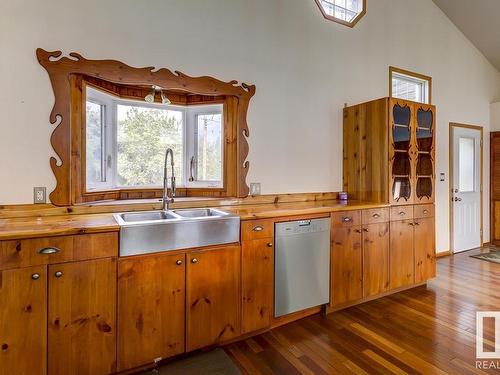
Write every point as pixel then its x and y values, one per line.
pixel 305 69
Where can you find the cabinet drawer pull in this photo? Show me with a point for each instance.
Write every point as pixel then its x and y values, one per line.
pixel 258 228
pixel 194 260
pixel 58 274
pixel 270 244
pixel 426 212
pixel 179 262
pixel 402 213
pixel 347 219
pixel 49 250
pixel 375 216
pixel 35 276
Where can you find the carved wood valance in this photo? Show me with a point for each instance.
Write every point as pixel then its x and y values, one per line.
pixel 62 71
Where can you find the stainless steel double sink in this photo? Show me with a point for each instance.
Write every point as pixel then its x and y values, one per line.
pixel 157 231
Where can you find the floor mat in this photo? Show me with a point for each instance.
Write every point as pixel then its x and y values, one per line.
pixel 491 256
pixel 215 362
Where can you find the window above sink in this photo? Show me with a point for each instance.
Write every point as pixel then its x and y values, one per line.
pixel 126 141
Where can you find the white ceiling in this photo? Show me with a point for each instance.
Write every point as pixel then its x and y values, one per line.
pixel 479 20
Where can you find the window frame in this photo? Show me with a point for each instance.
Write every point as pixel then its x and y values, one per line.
pixel 339 20
pixel 412 76
pixel 109 104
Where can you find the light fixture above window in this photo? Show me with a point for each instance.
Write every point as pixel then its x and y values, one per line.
pixel 345 12
pixel 150 98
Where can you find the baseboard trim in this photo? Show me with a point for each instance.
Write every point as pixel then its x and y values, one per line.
pixel 444 254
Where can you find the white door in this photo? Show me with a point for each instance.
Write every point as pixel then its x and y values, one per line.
pixel 466 194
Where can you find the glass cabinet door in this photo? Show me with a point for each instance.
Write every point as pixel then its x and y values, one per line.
pixel 424 129
pixel 401 166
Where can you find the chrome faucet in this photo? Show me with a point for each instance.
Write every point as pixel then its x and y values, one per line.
pixel 166 198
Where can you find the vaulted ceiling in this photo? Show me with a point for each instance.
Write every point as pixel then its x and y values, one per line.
pixel 479 21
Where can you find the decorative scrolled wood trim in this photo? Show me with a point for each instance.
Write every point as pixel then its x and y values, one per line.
pixel 61 69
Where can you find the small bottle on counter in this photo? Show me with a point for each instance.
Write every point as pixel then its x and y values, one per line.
pixel 343 196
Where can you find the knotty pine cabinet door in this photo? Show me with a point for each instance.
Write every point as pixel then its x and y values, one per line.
pixel 257 284
pixel 213 296
pixel 23 321
pixel 402 256
pixel 346 265
pixel 151 308
pixel 425 253
pixel 375 258
pixel 82 317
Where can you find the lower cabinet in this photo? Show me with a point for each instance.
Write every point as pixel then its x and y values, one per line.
pixel 151 308
pixel 375 259
pixel 82 317
pixel 23 321
pixel 346 265
pixel 213 296
pixel 425 254
pixel 402 253
pixel 172 303
pixel 257 284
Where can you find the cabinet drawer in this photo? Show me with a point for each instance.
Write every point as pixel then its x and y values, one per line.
pixel 50 250
pixel 401 213
pixel 423 211
pixel 375 215
pixel 256 229
pixel 347 218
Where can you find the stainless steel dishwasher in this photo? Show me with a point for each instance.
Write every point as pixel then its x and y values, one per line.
pixel 302 265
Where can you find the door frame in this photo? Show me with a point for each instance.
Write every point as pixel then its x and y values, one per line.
pixel 454 125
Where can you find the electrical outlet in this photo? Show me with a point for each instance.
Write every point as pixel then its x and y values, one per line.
pixel 255 188
pixel 39 195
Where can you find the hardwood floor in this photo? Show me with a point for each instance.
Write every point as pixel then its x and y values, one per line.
pixel 428 330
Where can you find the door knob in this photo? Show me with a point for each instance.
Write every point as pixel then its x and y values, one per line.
pixel 179 262
pixel 58 274
pixel 35 276
pixel 194 260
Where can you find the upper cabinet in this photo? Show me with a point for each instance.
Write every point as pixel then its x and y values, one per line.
pixel 389 154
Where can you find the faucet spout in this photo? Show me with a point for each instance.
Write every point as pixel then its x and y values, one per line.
pixel 166 198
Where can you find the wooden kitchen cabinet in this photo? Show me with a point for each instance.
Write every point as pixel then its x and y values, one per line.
pixel 82 317
pixel 346 265
pixel 151 308
pixel 375 259
pixel 213 296
pixel 23 321
pixel 402 256
pixel 257 284
pixel 425 254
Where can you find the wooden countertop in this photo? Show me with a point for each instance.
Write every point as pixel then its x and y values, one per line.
pixel 30 227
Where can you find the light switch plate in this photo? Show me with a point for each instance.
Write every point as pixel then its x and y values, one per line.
pixel 40 195
pixel 442 177
pixel 255 188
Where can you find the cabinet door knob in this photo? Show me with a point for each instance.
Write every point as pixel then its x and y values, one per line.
pixel 58 274
pixel 49 250
pixel 426 212
pixel 357 230
pixel 258 228
pixel 402 213
pixel 411 224
pixel 35 276
pixel 416 223
pixel 347 219
pixel 375 216
pixel 270 244
pixel 194 260
pixel 179 262
pixel 365 230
